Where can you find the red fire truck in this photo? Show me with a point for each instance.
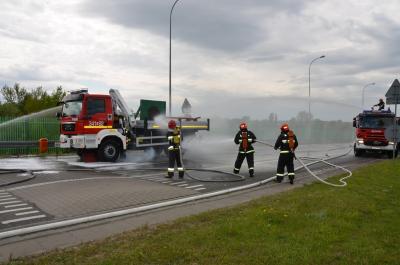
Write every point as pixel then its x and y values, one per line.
pixel 102 126
pixel 374 133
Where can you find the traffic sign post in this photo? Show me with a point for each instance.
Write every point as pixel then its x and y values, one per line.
pixel 393 97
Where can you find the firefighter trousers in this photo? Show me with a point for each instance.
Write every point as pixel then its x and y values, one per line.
pixel 175 156
pixel 285 160
pixel 250 162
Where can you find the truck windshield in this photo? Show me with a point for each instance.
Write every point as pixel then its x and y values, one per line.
pixel 374 122
pixel 72 108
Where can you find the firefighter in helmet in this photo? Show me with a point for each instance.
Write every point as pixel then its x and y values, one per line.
pixel 380 105
pixel 174 150
pixel 244 138
pixel 287 143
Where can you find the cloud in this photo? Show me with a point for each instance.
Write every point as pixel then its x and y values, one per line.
pixel 225 52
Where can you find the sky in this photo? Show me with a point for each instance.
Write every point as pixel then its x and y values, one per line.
pixel 230 58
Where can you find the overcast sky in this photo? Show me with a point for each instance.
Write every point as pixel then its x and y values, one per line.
pixel 230 58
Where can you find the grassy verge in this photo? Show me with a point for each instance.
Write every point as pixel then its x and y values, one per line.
pixel 316 224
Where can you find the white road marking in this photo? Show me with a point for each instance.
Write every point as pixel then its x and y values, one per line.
pixel 183 185
pixel 16 210
pixel 176 183
pixel 159 180
pixel 8 199
pixel 10 202
pixel 165 182
pixel 200 189
pixel 195 186
pixel 5 196
pixel 15 205
pixel 23 219
pixel 26 213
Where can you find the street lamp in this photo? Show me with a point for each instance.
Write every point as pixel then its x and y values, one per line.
pixel 362 101
pixel 170 36
pixel 309 84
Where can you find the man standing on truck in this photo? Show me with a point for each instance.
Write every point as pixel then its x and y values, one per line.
pixel 380 105
pixel 174 150
pixel 287 143
pixel 244 139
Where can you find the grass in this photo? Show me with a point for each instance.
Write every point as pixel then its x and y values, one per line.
pixel 315 224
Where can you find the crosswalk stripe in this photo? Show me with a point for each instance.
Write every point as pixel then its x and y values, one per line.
pixel 200 189
pixel 10 202
pixel 165 182
pixel 5 196
pixel 16 210
pixel 15 205
pixel 26 213
pixel 183 185
pixel 8 199
pixel 177 183
pixel 23 219
pixel 195 186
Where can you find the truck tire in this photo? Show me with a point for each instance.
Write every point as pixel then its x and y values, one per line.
pixel 358 152
pixel 390 154
pixel 109 151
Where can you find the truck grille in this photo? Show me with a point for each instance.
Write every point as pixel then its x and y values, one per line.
pixel 68 127
pixel 377 139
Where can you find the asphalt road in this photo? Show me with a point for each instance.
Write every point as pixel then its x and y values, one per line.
pixel 65 189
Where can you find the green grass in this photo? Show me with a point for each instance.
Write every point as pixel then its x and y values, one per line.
pixel 316 224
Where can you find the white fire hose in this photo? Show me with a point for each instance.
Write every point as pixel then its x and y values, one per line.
pixel 319 160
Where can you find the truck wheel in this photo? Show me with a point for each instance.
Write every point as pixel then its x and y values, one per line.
pixel 358 152
pixel 109 151
pixel 390 154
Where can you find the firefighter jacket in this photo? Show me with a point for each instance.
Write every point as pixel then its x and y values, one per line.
pixel 245 139
pixel 174 139
pixel 286 142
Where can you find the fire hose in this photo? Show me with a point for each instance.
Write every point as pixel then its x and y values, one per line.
pixel 318 160
pixel 29 176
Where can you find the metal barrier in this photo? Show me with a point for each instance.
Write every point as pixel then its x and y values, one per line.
pixel 20 136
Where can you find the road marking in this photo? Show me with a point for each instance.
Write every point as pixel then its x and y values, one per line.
pixel 16 210
pixel 183 185
pixel 200 189
pixel 159 180
pixel 15 205
pixel 165 182
pixel 25 213
pixel 195 186
pixel 23 219
pixel 176 183
pixel 5 196
pixel 8 199
pixel 10 202
pixel 152 178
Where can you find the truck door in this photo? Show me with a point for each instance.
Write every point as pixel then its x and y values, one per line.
pixel 97 116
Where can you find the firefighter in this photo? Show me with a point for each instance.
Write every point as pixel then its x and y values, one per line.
pixel 244 139
pixel 174 150
pixel 287 143
pixel 380 105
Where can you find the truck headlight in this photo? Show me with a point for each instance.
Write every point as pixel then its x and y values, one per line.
pixel 391 143
pixel 360 141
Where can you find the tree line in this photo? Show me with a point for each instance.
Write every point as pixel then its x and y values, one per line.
pixel 17 101
pixel 307 129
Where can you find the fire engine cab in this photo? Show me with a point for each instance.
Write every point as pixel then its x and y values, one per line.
pixel 103 126
pixel 374 132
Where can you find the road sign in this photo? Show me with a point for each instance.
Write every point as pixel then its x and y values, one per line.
pixel 393 94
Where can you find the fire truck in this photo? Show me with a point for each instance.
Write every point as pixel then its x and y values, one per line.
pixel 101 127
pixel 374 133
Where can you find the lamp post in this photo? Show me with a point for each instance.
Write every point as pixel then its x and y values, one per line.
pixel 170 49
pixel 363 91
pixel 309 84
